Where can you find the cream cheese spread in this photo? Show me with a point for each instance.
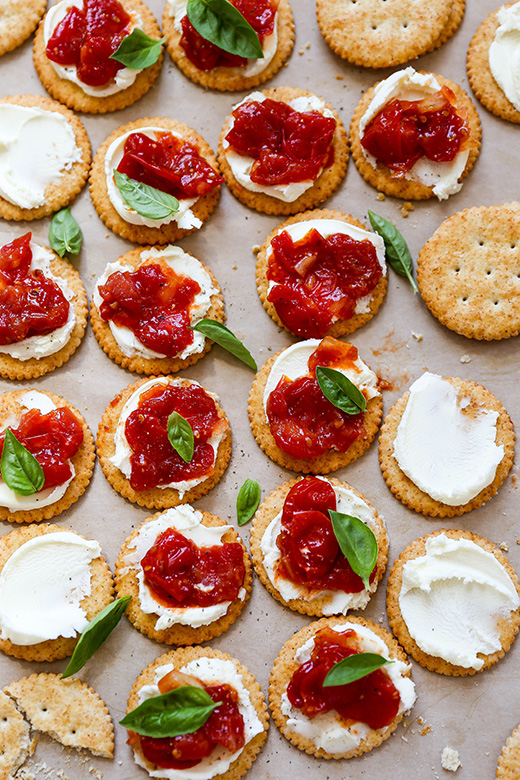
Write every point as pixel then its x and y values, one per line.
pixel 36 147
pixel 452 599
pixel 407 84
pixel 504 53
pixel 210 671
pixel 41 586
pixel 447 452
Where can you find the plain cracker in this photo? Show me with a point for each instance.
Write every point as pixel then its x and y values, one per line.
pixel 18 19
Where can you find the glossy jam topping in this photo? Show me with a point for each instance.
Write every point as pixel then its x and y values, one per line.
pixel 310 553
pixel 153 460
pixel 30 303
pixel 169 164
pixel 52 438
pixel 287 145
pixel 303 422
pixel 205 55
pixel 373 700
pixel 319 280
pixel 406 130
pixel 86 37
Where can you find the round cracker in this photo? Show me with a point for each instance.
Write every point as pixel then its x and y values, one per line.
pixel 102 592
pixel 15 739
pixel 231 79
pixel 507 627
pixel 18 20
pixel 154 498
pixel 452 25
pixel 509 761
pixel 141 234
pixel 341 327
pixel 327 182
pixel 381 177
pixel 73 96
pixel 57 194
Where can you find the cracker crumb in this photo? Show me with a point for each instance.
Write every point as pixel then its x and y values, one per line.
pixel 380 196
pixel 504 546
pixel 425 730
pixel 308 45
pixel 407 207
pixel 404 739
pixel 339 78
pixel 465 359
pixel 301 52
pixel 420 720
pixel 235 267
pixel 417 336
pixel 450 759
pixel 256 249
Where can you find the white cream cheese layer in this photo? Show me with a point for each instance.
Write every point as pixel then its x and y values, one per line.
pixel 447 452
pixel 407 84
pixel 210 671
pixel 32 399
pixel 42 585
pixel 36 147
pixel 326 730
pixel 182 264
pixel 452 598
pixel 340 602
pixel 241 164
pixel 124 78
pixel 504 53
pixel 184 217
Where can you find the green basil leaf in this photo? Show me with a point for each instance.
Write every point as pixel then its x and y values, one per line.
pixel 353 668
pixel 225 338
pixel 97 631
pixel 20 470
pixel 180 436
pixel 65 234
pixel 357 542
pixel 397 252
pixel 138 51
pixel 148 201
pixel 222 24
pixel 247 501
pixel 340 391
pixel 177 712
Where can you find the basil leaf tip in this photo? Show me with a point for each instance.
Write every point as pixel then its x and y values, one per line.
pixel 219 22
pixel 247 501
pixel 138 51
pixel 148 201
pixel 180 436
pixel 181 711
pixel 353 668
pixel 397 252
pixel 225 338
pixel 340 391
pixel 20 470
pixel 65 235
pixel 357 543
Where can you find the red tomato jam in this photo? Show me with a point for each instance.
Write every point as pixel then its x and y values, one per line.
pixel 319 280
pixel 373 700
pixel 288 146
pixel 180 574
pixel 154 303
pixel 30 303
pixel 406 130
pixel 153 460
pixel 205 55
pixel 310 553
pixel 303 422
pixel 52 438
pixel 169 164
pixel 87 37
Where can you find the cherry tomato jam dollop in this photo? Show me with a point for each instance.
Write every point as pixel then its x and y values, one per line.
pixel 319 280
pixel 373 700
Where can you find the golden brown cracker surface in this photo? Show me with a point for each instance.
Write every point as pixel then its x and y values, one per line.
pixel 18 19
pixel 509 761
pixel 15 739
pixel 452 25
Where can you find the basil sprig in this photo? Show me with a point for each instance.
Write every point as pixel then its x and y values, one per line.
pixel 247 501
pixel 397 252
pixel 148 201
pixel 340 391
pixel 177 712
pixel 353 668
pixel 180 436
pixel 97 631
pixel 20 470
pixel 65 234
pixel 222 24
pixel 138 50
pixel 226 339
pixel 357 543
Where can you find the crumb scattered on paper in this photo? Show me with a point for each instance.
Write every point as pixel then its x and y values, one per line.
pixel 504 546
pixel 380 196
pixel 407 207
pixel 465 359
pixel 256 249
pixel 450 759
pixel 417 336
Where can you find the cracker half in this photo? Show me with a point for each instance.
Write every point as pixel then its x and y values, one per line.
pixel 509 761
pixel 16 744
pixel 18 19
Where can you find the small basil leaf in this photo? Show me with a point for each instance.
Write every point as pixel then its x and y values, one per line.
pixel 353 668
pixel 97 631
pixel 20 470
pixel 148 201
pixel 226 339
pixel 357 542
pixel 65 234
pixel 222 24
pixel 138 51
pixel 177 712
pixel 247 501
pixel 180 436
pixel 340 391
pixel 397 252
